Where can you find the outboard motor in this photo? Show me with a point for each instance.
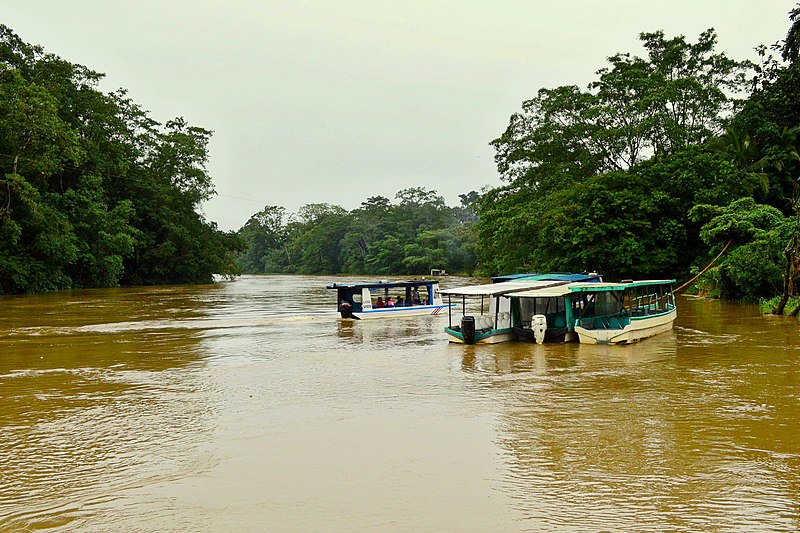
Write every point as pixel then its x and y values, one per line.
pixel 346 309
pixel 468 329
pixel 538 326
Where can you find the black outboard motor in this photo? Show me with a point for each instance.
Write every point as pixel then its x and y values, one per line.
pixel 468 329
pixel 346 309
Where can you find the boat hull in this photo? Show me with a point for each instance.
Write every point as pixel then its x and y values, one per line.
pixel 394 312
pixel 638 329
pixel 492 336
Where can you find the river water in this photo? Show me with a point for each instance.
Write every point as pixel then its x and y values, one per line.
pixel 248 406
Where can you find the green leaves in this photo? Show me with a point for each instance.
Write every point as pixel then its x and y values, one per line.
pixel 605 179
pixel 37 243
pixel 791 45
pixel 624 224
pixel 741 222
pixel 178 157
pixel 638 108
pixel 94 192
pixel 759 233
pixel 104 236
pixel 34 139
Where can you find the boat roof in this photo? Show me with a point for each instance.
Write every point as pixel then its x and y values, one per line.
pixel 562 290
pixel 383 284
pixel 555 276
pixel 508 277
pixel 506 287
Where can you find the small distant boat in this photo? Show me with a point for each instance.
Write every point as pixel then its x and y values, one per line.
pixel 495 321
pixel 594 313
pixel 384 299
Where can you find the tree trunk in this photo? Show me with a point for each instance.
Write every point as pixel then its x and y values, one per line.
pixel 781 305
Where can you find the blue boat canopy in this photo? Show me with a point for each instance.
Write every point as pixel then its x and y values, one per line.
pixel 383 284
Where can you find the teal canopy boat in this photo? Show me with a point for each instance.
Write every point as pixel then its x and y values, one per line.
pixel 594 313
pixel 486 314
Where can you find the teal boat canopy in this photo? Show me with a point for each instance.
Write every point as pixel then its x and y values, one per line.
pixel 621 286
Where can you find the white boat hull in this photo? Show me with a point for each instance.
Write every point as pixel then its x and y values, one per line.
pixel 394 312
pixel 637 330
pixel 483 337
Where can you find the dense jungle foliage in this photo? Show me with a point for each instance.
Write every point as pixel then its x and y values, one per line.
pixel 93 192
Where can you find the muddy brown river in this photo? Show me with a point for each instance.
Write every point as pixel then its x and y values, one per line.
pixel 248 406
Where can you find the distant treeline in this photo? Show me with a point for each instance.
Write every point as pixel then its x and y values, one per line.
pixel 94 192
pixel 412 236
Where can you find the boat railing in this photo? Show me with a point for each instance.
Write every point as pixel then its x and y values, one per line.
pixel 653 304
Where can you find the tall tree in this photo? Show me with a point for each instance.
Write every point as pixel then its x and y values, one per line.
pixel 639 107
pixel 316 238
pixel 266 239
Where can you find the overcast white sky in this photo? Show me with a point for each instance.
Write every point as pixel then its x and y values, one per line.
pixel 337 101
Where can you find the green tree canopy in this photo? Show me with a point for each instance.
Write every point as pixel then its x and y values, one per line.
pixel 638 108
pixel 93 192
pixel 758 233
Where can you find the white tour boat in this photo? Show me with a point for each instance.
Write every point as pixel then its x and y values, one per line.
pixel 385 299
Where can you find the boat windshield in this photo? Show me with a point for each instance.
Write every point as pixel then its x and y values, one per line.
pixel 606 303
pixel 553 309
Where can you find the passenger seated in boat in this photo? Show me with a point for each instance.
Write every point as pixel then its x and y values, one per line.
pixel 389 302
pixel 400 302
pixel 379 302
